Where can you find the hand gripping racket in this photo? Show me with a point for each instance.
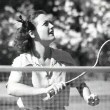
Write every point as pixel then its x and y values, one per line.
pixel 51 93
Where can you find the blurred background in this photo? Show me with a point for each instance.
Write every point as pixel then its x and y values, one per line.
pixel 81 27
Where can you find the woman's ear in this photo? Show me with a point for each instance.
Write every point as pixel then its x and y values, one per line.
pixel 31 33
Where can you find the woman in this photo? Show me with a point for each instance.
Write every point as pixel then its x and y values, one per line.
pixel 33 41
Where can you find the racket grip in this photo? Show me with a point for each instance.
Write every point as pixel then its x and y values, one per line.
pixel 51 93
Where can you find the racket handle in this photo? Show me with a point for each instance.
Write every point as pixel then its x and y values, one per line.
pixel 51 93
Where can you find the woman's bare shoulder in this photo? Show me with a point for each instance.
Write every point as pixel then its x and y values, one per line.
pixel 20 60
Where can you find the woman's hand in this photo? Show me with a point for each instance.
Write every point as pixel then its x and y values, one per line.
pixel 54 89
pixel 93 100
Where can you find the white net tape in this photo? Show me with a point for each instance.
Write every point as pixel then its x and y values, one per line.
pixel 67 69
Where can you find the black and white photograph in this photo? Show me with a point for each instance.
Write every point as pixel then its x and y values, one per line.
pixel 55 55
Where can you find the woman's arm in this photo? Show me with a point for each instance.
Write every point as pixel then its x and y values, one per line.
pixel 19 89
pixel 15 86
pixel 85 92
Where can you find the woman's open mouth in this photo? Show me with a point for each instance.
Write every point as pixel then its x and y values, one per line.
pixel 51 32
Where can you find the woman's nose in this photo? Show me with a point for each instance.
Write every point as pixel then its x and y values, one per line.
pixel 51 25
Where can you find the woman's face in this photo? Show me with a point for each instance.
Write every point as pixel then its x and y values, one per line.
pixel 45 28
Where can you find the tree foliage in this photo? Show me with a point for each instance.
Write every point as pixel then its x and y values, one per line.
pixel 81 27
pixel 85 25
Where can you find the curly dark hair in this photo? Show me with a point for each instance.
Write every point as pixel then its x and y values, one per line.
pixel 23 42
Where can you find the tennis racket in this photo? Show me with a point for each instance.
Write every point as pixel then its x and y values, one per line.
pixel 51 93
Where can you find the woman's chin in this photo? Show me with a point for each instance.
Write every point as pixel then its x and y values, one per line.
pixel 51 38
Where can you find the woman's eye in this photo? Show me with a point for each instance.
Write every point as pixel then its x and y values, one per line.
pixel 46 23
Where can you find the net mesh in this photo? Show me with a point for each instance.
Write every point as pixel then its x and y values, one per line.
pixel 99 84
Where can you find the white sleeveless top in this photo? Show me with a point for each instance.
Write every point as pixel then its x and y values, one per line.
pixel 40 79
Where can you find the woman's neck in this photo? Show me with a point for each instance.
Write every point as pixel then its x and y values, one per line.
pixel 40 51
